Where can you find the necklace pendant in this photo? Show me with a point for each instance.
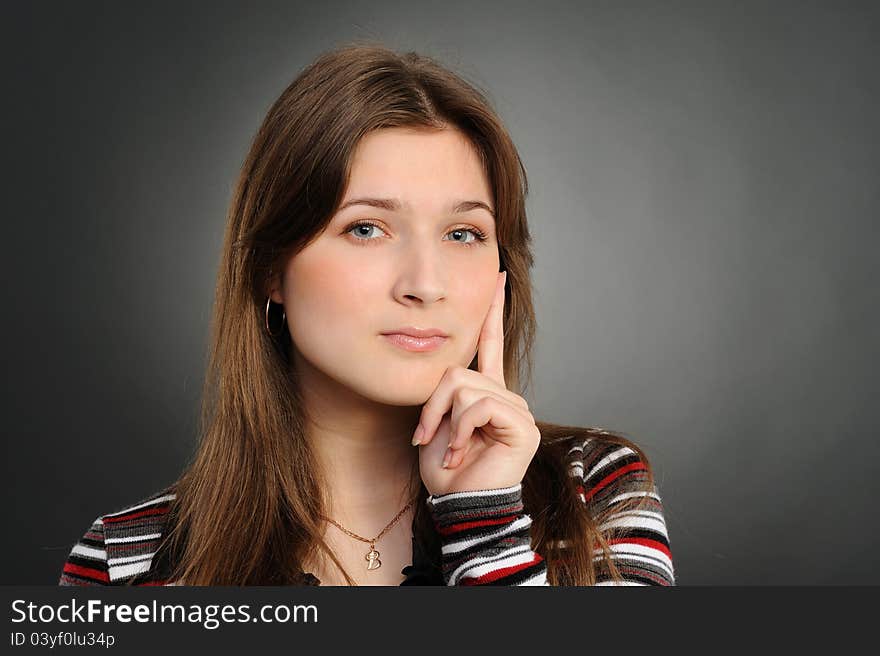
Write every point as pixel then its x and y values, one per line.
pixel 372 558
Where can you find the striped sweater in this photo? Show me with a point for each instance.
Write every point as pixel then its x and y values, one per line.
pixel 484 535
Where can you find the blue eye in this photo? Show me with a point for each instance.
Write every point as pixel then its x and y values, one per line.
pixel 362 224
pixel 479 235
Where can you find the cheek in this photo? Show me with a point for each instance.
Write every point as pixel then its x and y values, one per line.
pixel 326 297
pixel 472 306
pixel 336 306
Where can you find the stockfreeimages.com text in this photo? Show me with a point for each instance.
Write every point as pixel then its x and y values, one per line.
pixel 210 616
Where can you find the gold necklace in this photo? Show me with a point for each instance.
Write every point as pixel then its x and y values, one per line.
pixel 372 556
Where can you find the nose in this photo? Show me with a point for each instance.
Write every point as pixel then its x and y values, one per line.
pixel 422 276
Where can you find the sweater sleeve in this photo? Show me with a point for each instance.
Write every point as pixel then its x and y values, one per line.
pixel 485 538
pixel 631 517
pixel 87 562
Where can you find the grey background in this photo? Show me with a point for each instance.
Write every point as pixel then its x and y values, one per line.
pixel 704 204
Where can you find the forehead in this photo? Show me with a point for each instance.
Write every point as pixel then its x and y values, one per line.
pixel 417 164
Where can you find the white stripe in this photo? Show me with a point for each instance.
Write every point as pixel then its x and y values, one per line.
pixel 461 545
pixel 576 469
pixel 158 500
pixel 130 559
pixel 639 583
pixel 636 512
pixel 468 494
pixel 576 447
pixel 649 523
pixel 90 552
pixel 475 567
pixel 611 457
pixel 132 538
pixel 630 495
pixel 124 571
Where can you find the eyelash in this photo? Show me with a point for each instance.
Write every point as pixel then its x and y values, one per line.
pixel 479 234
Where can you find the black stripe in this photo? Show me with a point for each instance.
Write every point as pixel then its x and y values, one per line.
pixel 488 554
pixel 510 539
pixel 629 532
pixel 92 542
pixel 75 559
pixel 506 541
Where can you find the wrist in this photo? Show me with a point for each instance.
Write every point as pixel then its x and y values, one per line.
pixel 500 501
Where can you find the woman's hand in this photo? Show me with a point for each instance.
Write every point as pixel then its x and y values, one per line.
pixel 477 435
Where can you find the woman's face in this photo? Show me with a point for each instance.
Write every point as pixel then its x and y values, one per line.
pixel 421 264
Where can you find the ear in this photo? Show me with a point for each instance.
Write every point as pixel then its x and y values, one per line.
pixel 276 296
pixel 273 285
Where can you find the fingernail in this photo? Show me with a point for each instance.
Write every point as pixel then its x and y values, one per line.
pixel 420 433
pixel 447 457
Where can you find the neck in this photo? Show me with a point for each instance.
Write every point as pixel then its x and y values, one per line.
pixel 364 450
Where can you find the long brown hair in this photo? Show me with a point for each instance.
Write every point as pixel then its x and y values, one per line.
pixel 247 505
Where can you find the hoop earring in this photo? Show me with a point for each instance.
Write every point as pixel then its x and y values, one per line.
pixel 283 319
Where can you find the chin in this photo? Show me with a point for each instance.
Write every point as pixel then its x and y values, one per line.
pixel 396 395
pixel 399 388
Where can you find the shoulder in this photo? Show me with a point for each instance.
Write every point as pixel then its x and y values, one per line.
pixel 118 548
pixel 615 481
pixel 600 460
pixel 605 466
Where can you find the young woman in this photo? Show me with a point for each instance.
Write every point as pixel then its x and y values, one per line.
pixel 362 421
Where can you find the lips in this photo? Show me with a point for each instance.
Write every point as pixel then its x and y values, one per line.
pixel 412 331
pixel 416 344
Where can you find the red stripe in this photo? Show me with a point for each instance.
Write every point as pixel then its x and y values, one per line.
pixel 633 466
pixel 455 528
pixel 141 513
pixel 87 572
pixel 494 575
pixel 645 542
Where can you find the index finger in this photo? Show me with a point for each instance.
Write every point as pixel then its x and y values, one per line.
pixel 490 350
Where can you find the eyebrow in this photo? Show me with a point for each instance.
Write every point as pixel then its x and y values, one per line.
pixel 394 205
